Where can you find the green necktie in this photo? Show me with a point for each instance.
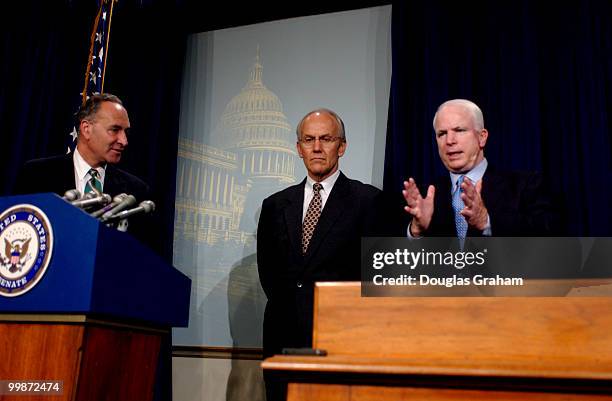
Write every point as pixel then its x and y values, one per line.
pixel 94 184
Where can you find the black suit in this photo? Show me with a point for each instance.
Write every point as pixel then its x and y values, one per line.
pixel 517 202
pixel 56 174
pixel 353 210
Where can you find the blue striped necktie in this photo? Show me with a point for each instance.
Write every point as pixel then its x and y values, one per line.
pixel 460 223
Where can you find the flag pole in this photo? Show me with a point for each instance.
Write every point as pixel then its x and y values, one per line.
pixel 110 20
pixel 91 49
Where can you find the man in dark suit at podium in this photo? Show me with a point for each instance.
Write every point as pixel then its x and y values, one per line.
pixel 103 126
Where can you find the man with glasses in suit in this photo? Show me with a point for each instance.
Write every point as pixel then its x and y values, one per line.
pixel 312 232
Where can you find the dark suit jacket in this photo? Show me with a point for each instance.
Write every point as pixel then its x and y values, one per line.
pixel 56 174
pixel 353 210
pixel 518 205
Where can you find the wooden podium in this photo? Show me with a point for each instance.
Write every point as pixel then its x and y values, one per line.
pixel 443 349
pixel 94 360
pixel 96 319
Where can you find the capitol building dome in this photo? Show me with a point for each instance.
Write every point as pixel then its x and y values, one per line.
pixel 254 127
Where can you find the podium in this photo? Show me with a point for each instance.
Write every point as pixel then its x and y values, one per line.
pixel 451 348
pixel 94 317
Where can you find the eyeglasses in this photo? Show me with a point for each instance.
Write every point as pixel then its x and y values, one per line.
pixel 327 140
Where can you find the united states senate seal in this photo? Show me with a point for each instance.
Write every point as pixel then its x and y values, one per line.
pixel 26 246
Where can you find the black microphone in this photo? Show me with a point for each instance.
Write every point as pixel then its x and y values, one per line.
pixel 124 204
pixel 144 207
pixel 85 202
pixel 71 195
pixel 116 200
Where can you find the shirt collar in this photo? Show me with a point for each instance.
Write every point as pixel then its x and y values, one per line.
pixel 327 183
pixel 82 168
pixel 474 174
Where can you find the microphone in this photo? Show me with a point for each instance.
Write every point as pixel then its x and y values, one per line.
pixel 124 204
pixel 85 202
pixel 116 200
pixel 89 195
pixel 144 207
pixel 71 195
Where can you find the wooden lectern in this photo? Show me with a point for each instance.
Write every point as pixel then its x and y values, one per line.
pixel 96 319
pixel 443 349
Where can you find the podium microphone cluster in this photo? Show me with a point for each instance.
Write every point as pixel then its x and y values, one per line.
pixel 144 207
pixel 116 201
pixel 72 195
pixel 126 202
pixel 89 201
pixel 107 210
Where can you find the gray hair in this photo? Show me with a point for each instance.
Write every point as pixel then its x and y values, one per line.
pixel 470 106
pixel 328 112
pixel 92 105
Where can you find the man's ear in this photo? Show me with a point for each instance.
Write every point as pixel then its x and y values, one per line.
pixel 482 138
pixel 85 129
pixel 299 149
pixel 342 148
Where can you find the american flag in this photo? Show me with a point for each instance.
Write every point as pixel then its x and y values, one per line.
pixel 94 74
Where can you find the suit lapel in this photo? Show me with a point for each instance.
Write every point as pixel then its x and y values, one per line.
pixel 67 174
pixel 293 217
pixel 333 210
pixel 491 193
pixel 110 181
pixel 111 185
pixel 443 222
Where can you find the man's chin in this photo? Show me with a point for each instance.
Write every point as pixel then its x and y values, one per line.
pixel 318 172
pixel 456 167
pixel 317 168
pixel 114 159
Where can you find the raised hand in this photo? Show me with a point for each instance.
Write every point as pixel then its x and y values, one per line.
pixel 475 211
pixel 421 209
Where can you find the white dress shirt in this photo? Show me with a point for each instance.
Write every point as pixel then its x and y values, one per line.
pixel 81 172
pixel 327 183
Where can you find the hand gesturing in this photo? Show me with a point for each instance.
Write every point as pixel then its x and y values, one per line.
pixel 475 212
pixel 420 208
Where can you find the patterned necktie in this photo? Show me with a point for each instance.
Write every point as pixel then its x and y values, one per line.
pixel 458 206
pixel 312 217
pixel 94 184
